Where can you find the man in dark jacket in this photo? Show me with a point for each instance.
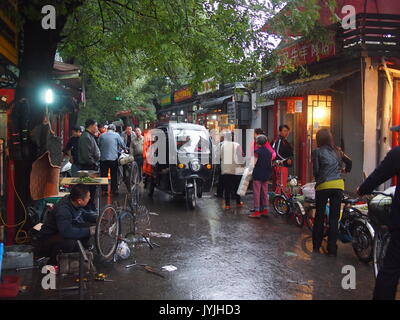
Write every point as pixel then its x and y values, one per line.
pixel 72 150
pixel 66 223
pixel 388 277
pixel 89 154
pixel 284 154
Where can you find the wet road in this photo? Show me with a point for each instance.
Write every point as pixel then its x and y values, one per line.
pixel 225 255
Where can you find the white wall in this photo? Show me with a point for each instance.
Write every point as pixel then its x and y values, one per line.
pixel 371 82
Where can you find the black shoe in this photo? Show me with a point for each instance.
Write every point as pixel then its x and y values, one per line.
pixel 218 195
pixel 315 250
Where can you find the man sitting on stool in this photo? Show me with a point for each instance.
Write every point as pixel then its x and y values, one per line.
pixel 66 223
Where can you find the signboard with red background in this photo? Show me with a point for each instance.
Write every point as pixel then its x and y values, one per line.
pixel 182 94
pixel 305 52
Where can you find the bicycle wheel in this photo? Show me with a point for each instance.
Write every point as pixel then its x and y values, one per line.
pixel 127 223
pixel 299 214
pixel 310 217
pixel 107 232
pixel 310 213
pixel 280 205
pixel 134 186
pixel 135 179
pixel 362 241
pixel 381 242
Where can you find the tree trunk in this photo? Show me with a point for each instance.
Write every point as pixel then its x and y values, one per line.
pixel 36 65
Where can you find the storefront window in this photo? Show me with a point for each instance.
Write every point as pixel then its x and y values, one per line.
pixel 319 115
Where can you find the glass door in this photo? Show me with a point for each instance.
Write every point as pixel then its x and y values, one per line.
pixel 318 117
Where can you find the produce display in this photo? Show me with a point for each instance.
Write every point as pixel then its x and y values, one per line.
pixel 86 180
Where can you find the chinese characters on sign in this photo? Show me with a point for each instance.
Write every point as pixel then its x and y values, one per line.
pixel 182 94
pixel 305 53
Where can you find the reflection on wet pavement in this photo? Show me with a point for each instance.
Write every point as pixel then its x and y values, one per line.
pixel 224 255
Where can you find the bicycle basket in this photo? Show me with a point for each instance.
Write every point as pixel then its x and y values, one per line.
pixel 379 209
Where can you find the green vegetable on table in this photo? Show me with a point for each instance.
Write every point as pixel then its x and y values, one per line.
pixel 86 180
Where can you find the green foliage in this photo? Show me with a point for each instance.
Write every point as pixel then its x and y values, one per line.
pixel 298 18
pixel 142 49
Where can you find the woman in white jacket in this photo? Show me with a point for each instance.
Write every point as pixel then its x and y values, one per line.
pixel 232 166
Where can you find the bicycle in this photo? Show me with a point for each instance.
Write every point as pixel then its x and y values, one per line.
pixel 116 224
pixel 282 194
pixel 288 204
pixel 378 211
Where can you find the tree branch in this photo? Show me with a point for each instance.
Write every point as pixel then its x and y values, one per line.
pixel 116 12
pixel 129 8
pixel 101 14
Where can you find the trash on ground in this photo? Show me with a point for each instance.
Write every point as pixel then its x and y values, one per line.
pixel 291 254
pixel 159 235
pixel 123 252
pixel 131 265
pixel 153 214
pixel 151 270
pixel 169 268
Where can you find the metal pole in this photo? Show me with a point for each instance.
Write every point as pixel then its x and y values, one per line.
pixel 80 276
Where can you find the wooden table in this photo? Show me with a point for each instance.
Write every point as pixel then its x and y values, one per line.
pixel 101 182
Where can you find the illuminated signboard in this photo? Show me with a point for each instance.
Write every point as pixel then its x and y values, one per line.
pixel 166 100
pixel 8 31
pixel 182 94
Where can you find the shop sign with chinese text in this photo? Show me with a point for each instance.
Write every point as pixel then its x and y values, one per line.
pixel 305 52
pixel 207 86
pixel 182 94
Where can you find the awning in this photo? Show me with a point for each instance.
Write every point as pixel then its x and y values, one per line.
pixel 215 102
pixel 178 107
pixel 301 87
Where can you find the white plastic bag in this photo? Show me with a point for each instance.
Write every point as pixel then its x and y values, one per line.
pixel 245 181
pixel 123 252
pixel 309 190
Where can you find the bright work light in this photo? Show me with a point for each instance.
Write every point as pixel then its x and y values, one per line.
pixel 49 98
